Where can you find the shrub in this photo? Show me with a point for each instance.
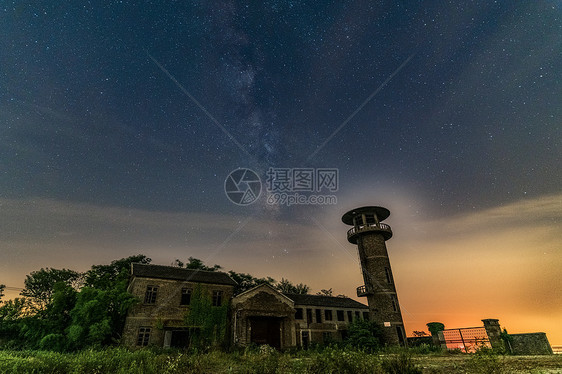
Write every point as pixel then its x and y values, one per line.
pixel 364 335
pixel 486 361
pixel 400 364
pixel 53 342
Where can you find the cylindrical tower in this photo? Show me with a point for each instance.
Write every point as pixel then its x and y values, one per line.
pixel 370 236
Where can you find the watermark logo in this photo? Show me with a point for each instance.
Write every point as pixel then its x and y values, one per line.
pixel 285 186
pixel 302 180
pixel 242 186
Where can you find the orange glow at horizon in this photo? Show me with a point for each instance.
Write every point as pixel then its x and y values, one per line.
pixel 499 263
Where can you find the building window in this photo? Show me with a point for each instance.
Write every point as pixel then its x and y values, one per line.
pixel 349 316
pixel 143 337
pixel 388 276
pixel 357 315
pixel 359 220
pixel 340 315
pixel 394 303
pixel 327 315
pixel 370 219
pixel 151 293
pixel 318 315
pixel 298 313
pixel 309 316
pixel 217 298
pixel 185 296
pixel 326 336
pixel 366 316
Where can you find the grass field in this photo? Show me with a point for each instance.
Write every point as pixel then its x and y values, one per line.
pixel 263 361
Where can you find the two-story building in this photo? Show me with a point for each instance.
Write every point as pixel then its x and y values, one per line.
pixel 165 295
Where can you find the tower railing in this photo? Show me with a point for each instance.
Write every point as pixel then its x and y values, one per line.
pixel 373 227
pixel 363 291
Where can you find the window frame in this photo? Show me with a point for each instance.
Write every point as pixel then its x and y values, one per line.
pixel 388 275
pixel 186 293
pixel 318 316
pixel 143 336
pixel 340 315
pixel 151 294
pixel 217 297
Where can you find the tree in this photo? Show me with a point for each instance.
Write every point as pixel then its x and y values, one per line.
pixel 2 287
pixel 99 316
pixel 325 292
pixel 105 277
pixel 285 286
pixel 40 285
pixel 178 263
pixel 435 327
pixel 101 306
pixel 11 313
pixel 247 281
pixel 364 335
pixel 419 334
pixel 195 263
pixel 46 330
pixel 54 315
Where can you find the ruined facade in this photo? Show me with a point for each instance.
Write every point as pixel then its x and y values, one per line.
pixel 322 319
pixel 261 315
pixel 164 293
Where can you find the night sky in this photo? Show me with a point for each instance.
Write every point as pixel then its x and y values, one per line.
pixel 120 121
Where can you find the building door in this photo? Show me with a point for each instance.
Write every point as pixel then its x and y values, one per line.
pixel 266 330
pixel 305 339
pixel 180 339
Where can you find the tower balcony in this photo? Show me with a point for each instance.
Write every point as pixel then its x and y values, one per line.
pixel 362 291
pixel 381 228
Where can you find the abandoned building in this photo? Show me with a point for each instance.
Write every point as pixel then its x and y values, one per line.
pixel 165 295
pixel 370 234
pixel 468 339
pixel 261 315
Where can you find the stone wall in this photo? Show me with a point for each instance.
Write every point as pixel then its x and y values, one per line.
pixel 535 343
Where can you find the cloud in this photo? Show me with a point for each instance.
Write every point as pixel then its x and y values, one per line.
pixel 37 233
